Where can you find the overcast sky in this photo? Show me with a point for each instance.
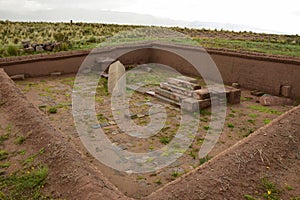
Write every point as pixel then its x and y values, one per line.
pixel 281 16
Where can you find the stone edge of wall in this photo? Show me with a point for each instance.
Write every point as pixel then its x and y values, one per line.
pixel 76 53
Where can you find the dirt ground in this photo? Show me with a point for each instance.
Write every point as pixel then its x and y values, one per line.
pixel 241 121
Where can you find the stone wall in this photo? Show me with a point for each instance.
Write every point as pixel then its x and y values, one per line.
pixel 252 71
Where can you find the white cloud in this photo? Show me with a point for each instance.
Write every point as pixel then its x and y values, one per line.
pixel 268 14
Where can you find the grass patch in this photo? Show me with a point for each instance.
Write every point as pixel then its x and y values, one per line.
pixel 265 109
pixel 3 154
pixel 165 140
pixel 52 110
pixel 204 160
pixel 267 121
pixel 271 191
pixel 230 125
pixel 24 185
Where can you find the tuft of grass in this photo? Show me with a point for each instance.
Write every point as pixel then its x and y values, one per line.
pixel 249 197
pixel 52 110
pixel 175 174
pixel 229 125
pixel 3 154
pixel 204 160
pixel 165 140
pixel 206 127
pixel 4 165
pixel 158 181
pixel 253 115
pixel 267 121
pixel 20 140
pixel 271 191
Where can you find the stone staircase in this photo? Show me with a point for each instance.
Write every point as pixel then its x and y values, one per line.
pixel 185 92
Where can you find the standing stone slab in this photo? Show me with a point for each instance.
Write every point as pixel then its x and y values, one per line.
pixel 116 71
pixel 234 96
pixel 285 90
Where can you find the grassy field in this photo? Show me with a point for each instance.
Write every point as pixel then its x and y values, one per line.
pixel 89 35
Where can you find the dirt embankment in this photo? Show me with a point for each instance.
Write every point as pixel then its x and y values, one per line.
pixel 272 153
pixel 70 176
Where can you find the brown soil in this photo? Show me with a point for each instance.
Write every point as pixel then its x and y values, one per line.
pixel 70 174
pixel 51 91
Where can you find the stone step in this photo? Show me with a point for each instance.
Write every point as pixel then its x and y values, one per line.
pixel 170 101
pixel 193 105
pixel 184 84
pixel 188 79
pixel 170 95
pixel 176 89
pixel 201 94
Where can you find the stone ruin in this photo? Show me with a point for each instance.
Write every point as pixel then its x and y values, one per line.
pixel 181 91
pixel 184 91
pixel 34 47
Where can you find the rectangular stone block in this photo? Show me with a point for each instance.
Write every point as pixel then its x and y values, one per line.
pixel 234 96
pixel 285 90
pixel 168 94
pixel 179 90
pixel 188 79
pixel 201 94
pixel 204 103
pixel 183 83
pixel 18 77
pixel 190 105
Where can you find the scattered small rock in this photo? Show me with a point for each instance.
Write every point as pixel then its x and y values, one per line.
pixel 236 85
pixel 55 74
pixel 96 126
pixel 39 49
pixel 257 93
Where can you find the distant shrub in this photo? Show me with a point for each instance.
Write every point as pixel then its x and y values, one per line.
pixel 92 39
pixel 12 50
pixel 64 46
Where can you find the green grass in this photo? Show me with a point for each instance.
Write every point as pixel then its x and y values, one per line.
pixel 252 46
pixel 24 185
pixel 265 109
pixel 52 110
pixel 229 125
pixel 165 140
pixel 204 160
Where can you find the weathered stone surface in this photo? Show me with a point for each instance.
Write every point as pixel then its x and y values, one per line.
pixel 257 93
pixel 29 49
pixel 201 94
pixel 236 85
pixel 168 94
pixel 39 49
pixel 55 74
pixel 190 105
pixel 269 100
pixel 180 90
pixel 188 79
pixel 116 80
pixel 285 90
pixel 183 83
pixel 103 62
pixel 18 77
pixel 204 103
pixel 234 96
pixel 170 101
